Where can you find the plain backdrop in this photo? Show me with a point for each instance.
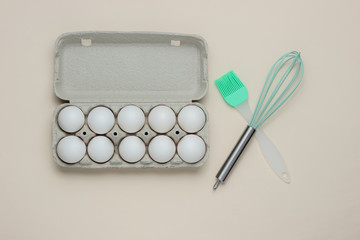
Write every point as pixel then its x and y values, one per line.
pixel 317 131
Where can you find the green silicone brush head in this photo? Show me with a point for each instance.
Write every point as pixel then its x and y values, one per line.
pixel 232 89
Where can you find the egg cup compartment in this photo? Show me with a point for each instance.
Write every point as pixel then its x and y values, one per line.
pixel 116 69
pixel 116 135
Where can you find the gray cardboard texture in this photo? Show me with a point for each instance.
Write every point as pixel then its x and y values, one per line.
pixel 115 69
pixel 130 67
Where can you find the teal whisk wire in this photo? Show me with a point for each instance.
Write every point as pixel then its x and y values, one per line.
pixel 265 107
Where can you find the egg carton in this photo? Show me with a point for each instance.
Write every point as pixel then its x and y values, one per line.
pixel 116 69
pixel 116 135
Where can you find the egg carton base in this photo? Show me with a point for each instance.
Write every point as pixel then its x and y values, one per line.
pixel 146 134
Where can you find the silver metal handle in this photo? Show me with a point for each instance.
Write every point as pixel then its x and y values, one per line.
pixel 234 155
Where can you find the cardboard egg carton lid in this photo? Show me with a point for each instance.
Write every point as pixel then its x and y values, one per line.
pixel 130 67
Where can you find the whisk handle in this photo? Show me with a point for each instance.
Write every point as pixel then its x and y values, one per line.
pixel 235 154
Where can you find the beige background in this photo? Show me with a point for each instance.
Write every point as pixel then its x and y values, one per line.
pixel 317 131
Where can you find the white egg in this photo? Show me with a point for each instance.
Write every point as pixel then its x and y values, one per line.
pixel 71 119
pixel 191 119
pixel 71 149
pixel 100 149
pixel 191 148
pixel 131 119
pixel 162 149
pixel 101 120
pixel 132 149
pixel 162 119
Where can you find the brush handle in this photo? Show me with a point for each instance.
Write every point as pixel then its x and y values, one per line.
pixel 268 149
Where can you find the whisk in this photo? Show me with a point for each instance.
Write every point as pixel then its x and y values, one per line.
pixel 267 104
